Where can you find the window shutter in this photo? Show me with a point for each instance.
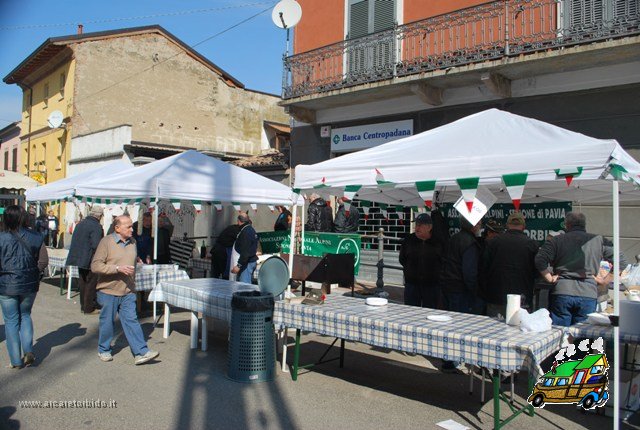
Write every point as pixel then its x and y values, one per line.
pixel 359 19
pixel 384 15
pixel 627 9
pixel 586 13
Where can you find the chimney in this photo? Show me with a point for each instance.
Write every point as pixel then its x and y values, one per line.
pixel 80 27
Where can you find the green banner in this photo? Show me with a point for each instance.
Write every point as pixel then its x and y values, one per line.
pixel 541 218
pixel 315 244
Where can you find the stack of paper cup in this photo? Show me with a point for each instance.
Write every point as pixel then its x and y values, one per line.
pixel 513 306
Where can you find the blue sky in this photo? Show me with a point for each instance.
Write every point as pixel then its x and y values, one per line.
pixel 251 52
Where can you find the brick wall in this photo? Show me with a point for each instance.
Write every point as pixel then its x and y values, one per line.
pixel 392 226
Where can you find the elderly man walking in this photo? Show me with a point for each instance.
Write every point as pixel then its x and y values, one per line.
pixel 571 262
pixel 114 263
pixel 84 242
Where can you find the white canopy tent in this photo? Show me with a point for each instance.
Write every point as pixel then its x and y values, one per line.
pixel 517 158
pixel 16 181
pixel 65 188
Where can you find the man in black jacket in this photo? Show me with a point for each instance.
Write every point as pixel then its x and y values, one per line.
pixel 571 261
pixel 508 266
pixel 84 242
pixel 319 216
pixel 246 246
pixel 459 276
pixel 346 222
pixel 221 252
pixel 420 257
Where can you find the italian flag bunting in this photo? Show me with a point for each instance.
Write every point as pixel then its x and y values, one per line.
pixel 365 208
pixel 400 213
pixel 236 206
pixel 350 191
pixel 619 173
pixel 254 207
pixel 347 207
pixel 272 208
pixel 380 179
pixel 218 206
pixel 425 189
pixel 468 186
pixel 515 186
pixel 568 173
pixel 383 210
pixel 322 183
pixel 197 204
pixel 176 204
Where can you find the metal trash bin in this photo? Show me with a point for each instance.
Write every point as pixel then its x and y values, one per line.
pixel 252 348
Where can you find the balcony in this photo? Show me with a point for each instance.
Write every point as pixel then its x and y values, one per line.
pixel 491 31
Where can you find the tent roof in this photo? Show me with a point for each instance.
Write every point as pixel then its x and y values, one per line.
pixel 64 188
pixel 485 145
pixel 15 181
pixel 190 176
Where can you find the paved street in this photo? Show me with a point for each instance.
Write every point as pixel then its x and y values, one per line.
pixel 189 389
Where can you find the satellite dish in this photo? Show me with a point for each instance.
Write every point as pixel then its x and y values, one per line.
pixel 286 14
pixel 55 119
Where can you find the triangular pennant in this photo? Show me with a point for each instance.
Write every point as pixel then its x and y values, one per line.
pixel 350 191
pixel 322 184
pixel 254 207
pixel 380 179
pixel 218 206
pixel 568 173
pixel 383 210
pixel 176 204
pixel 236 206
pixel 347 207
pixel 619 173
pixel 272 208
pixel 426 189
pixel 515 186
pixel 365 205
pixel 197 204
pixel 400 213
pixel 468 186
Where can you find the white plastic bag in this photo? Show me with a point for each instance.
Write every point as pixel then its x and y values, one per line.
pixel 535 322
pixel 632 279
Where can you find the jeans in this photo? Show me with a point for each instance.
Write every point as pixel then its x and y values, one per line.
pixel 125 307
pixel 18 327
pixel 426 296
pixel 569 310
pixel 247 274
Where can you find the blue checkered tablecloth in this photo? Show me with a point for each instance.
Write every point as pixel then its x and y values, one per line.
pixel 200 263
pixel 593 331
pixel 57 262
pixel 144 279
pixel 209 296
pixel 472 339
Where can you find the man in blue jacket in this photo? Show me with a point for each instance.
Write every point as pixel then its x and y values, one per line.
pixel 84 242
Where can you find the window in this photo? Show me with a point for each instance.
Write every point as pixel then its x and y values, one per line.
pixel 46 95
pixel 63 81
pixel 596 379
pixel 366 17
pixel 6 160
pixel 548 382
pixel 562 381
pixel 14 160
pixel 596 369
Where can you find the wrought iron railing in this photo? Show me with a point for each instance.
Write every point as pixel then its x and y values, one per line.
pixel 485 32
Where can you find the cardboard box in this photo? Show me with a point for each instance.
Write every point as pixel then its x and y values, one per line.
pixel 629 392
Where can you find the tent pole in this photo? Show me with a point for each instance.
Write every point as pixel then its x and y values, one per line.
pixel 155 247
pixel 616 304
pixel 292 241
pixel 303 221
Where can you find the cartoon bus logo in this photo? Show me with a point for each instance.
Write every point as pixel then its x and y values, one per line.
pixel 584 382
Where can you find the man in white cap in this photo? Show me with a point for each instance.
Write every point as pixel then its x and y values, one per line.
pixel 84 242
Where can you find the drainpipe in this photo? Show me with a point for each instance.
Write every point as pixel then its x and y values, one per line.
pixel 29 127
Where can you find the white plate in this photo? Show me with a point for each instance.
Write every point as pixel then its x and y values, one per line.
pixel 598 319
pixel 376 301
pixel 439 318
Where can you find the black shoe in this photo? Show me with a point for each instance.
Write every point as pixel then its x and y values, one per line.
pixel 29 359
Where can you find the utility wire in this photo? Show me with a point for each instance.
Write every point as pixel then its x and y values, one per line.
pixel 133 18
